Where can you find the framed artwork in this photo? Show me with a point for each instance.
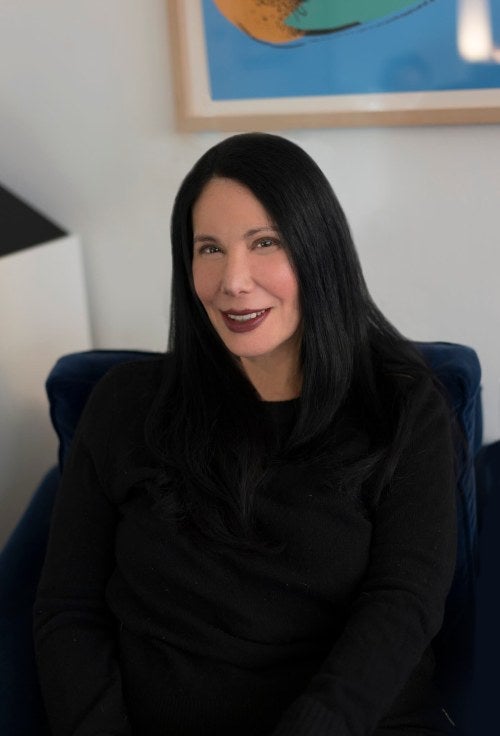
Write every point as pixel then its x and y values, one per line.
pixel 274 64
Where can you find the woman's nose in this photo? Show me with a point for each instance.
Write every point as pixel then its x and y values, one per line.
pixel 237 275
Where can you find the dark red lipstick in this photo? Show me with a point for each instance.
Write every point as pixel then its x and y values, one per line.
pixel 239 320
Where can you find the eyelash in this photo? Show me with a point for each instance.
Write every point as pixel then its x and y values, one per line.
pixel 208 249
pixel 211 249
pixel 270 241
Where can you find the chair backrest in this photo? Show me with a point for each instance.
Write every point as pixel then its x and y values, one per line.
pixel 457 367
pixel 459 371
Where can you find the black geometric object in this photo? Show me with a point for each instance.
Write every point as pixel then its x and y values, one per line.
pixel 21 226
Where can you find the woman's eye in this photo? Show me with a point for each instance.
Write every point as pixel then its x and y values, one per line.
pixel 266 243
pixel 208 249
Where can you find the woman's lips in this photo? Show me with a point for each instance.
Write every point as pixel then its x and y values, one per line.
pixel 244 320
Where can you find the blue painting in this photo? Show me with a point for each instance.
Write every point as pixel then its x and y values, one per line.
pixel 258 49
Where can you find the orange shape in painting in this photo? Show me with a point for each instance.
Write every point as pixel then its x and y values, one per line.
pixel 262 19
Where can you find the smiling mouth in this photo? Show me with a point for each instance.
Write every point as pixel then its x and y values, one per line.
pixel 244 317
pixel 244 320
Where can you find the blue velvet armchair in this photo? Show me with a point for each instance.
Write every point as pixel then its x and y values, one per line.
pixel 68 386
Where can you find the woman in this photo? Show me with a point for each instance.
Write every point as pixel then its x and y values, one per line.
pixel 255 533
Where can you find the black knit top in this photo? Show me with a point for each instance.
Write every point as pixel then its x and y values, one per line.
pixel 142 629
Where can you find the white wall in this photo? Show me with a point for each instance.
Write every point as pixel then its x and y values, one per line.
pixel 43 315
pixel 87 134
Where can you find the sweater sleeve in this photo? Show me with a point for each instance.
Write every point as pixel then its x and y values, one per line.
pixel 75 635
pixel 400 606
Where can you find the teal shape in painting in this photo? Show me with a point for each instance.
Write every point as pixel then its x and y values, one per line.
pixel 321 15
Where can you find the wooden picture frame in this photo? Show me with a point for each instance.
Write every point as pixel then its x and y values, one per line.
pixel 197 110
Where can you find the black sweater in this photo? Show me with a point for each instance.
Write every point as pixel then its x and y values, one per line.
pixel 141 630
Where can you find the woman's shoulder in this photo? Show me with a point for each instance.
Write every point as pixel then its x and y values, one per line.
pixel 145 372
pixel 127 389
pixel 426 414
pixel 422 389
pixel 418 409
pixel 404 374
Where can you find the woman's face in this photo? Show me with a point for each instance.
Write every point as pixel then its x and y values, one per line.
pixel 242 275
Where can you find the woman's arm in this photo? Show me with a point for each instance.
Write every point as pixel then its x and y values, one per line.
pixel 400 607
pixel 75 634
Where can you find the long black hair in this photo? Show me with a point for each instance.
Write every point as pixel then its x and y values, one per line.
pixel 208 426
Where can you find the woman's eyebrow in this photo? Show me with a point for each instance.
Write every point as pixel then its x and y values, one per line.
pixel 256 230
pixel 203 238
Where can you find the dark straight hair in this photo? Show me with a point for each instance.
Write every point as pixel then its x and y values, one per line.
pixel 218 447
